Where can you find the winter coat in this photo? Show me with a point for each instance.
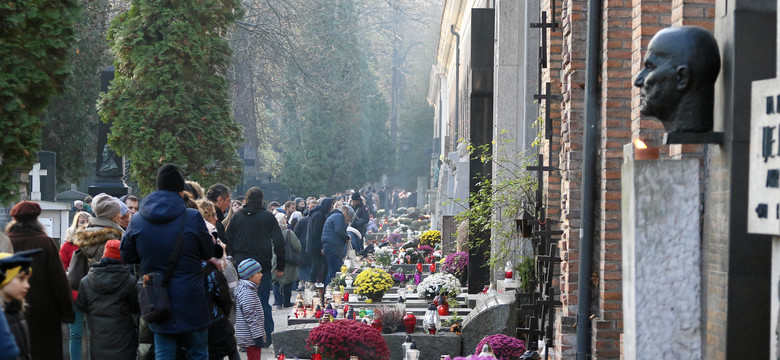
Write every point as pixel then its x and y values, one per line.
pixel 149 241
pixel 300 232
pixel 49 300
pixel 18 326
pixel 317 217
pixel 361 219
pixel 5 244
pixel 222 340
pixel 8 348
pixel 92 239
pixel 250 319
pixel 290 271
pixel 107 296
pixel 255 233
pixel 334 234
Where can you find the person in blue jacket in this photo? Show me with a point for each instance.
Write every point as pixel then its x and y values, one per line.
pixel 149 241
pixel 335 238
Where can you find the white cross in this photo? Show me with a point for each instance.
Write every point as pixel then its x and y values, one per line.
pixel 36 174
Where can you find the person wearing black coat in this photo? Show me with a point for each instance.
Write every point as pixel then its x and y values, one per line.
pixel 317 217
pixel 18 325
pixel 304 260
pixel 107 296
pixel 255 233
pixel 361 215
pixel 222 334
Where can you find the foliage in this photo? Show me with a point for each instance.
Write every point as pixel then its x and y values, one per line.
pixel 431 238
pixel 341 339
pixel 525 270
pixel 337 65
pixel 34 40
pixel 372 282
pixel 439 284
pixel 169 100
pixel 70 122
pixel 456 263
pixel 498 202
pixel 391 317
pixel 504 347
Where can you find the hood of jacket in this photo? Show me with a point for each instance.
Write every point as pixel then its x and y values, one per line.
pixel 162 207
pixel 96 235
pixel 324 207
pixel 251 210
pixel 108 276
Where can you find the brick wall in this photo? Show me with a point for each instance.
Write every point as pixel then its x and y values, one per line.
pixel 627 27
pixel 616 130
pixel 565 72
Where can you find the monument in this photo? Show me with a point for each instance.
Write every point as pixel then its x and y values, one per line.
pixel 677 82
pixel 109 166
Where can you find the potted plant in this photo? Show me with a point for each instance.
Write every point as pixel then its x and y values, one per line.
pixel 391 318
pixel 438 284
pixel 457 265
pixel 341 339
pixel 373 283
pixel 383 256
pixel 431 238
pixel 504 347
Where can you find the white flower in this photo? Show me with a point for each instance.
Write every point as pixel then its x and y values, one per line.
pixel 450 285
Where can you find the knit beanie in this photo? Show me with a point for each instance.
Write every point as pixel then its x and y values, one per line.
pixel 26 210
pixel 111 250
pixel 123 209
pixel 11 273
pixel 169 178
pixel 105 206
pixel 248 267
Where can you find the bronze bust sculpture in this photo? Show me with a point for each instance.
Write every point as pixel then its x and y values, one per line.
pixel 678 79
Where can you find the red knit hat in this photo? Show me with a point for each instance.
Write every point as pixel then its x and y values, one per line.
pixel 112 250
pixel 26 210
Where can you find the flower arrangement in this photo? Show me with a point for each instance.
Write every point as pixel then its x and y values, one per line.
pixel 383 256
pixel 372 283
pixel 427 250
pixel 439 284
pixel 431 238
pixel 391 318
pixel 341 339
pixel 504 347
pixel 395 238
pixel 474 357
pixel 456 263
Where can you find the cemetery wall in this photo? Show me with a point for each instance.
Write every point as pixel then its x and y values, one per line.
pixel 627 27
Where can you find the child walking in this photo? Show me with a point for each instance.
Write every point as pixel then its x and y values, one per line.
pixel 13 289
pixel 108 298
pixel 250 331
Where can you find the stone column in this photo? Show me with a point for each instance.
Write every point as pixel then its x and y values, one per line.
pixel 661 259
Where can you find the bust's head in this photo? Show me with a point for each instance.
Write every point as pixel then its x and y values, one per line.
pixel 462 150
pixel 678 78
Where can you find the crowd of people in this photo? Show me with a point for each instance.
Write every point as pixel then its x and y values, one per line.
pixel 218 260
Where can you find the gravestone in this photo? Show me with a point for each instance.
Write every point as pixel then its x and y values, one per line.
pixel 35 180
pixel 48 161
pixel 661 258
pixel 764 180
pixel 108 166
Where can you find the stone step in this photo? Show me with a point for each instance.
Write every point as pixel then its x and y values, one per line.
pixel 420 319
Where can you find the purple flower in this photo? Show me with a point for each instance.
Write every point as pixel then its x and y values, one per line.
pixel 426 249
pixel 456 263
pixel 504 347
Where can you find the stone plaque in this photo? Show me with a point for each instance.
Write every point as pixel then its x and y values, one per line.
pixel 764 183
